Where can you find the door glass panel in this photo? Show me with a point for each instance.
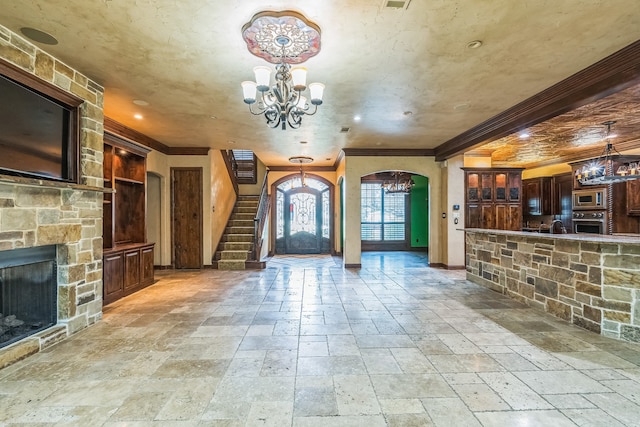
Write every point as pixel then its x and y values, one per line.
pixel 302 209
pixel 326 214
pixel 279 214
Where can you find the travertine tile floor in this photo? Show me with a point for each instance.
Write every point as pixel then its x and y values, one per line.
pixel 306 343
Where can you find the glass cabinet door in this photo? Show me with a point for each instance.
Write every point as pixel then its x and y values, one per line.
pixel 487 186
pixel 501 187
pixel 473 187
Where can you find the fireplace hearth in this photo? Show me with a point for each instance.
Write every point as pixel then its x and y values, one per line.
pixel 28 292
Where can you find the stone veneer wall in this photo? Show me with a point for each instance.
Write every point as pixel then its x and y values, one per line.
pixel 595 285
pixel 39 212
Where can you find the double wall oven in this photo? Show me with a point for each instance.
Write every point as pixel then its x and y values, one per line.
pixel 590 211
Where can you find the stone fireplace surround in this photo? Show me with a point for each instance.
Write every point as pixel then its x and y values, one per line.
pixel 35 212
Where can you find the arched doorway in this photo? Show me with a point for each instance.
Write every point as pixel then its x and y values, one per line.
pixel 303 215
pixel 394 217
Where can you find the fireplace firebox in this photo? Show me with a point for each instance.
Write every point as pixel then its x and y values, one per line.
pixel 28 292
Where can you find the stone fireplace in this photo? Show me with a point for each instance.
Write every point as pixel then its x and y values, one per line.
pixel 42 214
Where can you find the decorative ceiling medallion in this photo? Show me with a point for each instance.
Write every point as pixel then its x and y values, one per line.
pixel 285 36
pixel 301 159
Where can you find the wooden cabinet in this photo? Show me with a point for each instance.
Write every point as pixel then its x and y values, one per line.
pixel 127 269
pixel 633 198
pixel 493 198
pixel 537 196
pixel 128 258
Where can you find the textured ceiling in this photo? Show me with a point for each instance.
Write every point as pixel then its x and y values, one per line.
pixel 186 58
pixel 575 135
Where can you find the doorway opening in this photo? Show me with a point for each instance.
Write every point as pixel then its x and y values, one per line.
pixel 303 215
pixel 393 219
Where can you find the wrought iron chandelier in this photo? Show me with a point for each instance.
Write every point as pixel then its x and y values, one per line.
pixel 599 171
pixel 400 183
pixel 283 38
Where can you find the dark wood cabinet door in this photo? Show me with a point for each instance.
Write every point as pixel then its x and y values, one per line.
pixel 113 284
pixel 186 217
pixel 513 218
pixel 131 270
pixel 537 196
pixel 488 215
pixel 473 217
pixel 501 217
pixel 146 265
pixel 633 197
pixel 532 205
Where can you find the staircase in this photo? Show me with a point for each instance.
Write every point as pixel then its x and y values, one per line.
pixel 236 245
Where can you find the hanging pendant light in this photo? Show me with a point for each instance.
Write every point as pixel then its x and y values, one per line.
pixel 599 171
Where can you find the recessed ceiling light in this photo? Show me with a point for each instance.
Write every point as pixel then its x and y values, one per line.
pixel 213 117
pixel 140 102
pixel 328 159
pixel 344 129
pixel 474 44
pixel 463 106
pixel 524 135
pixel 38 36
pixel 138 116
pixel 357 118
pixel 303 142
pixel 231 142
pixel 408 113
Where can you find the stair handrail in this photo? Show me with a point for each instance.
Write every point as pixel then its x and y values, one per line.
pixel 259 220
pixel 230 162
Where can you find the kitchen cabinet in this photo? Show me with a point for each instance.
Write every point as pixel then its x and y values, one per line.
pixel 127 257
pixel 633 198
pixel 493 198
pixel 537 196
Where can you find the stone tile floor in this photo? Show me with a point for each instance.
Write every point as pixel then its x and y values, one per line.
pixel 307 343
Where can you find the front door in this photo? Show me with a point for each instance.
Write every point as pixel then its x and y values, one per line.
pixel 302 215
pixel 302 226
pixel 186 217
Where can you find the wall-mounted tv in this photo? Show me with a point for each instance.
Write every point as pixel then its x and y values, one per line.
pixel 38 133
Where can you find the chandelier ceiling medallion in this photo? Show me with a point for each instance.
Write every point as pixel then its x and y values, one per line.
pixel 400 182
pixel 600 170
pixel 301 160
pixel 282 38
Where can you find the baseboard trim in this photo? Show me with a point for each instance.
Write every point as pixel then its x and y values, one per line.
pixel 447 267
pixel 353 266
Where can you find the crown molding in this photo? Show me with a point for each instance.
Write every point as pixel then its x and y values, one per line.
pixel 126 132
pixel 389 152
pixel 305 168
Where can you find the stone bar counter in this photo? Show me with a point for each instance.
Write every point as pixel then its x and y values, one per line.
pixel 593 281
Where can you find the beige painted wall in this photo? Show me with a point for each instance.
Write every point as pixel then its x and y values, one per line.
pixel 453 239
pixel 356 167
pixel 223 198
pixel 161 165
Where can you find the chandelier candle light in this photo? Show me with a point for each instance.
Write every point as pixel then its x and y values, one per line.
pixel 283 38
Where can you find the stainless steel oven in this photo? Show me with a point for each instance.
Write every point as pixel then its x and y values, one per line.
pixel 590 199
pixel 593 222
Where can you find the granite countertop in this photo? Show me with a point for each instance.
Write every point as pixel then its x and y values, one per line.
pixel 585 237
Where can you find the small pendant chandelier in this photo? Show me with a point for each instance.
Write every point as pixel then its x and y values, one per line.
pixel 599 171
pixel 400 183
pixel 282 38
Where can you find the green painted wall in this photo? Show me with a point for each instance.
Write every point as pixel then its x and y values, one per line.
pixel 420 212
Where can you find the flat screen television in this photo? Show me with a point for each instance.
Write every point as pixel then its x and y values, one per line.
pixel 37 134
